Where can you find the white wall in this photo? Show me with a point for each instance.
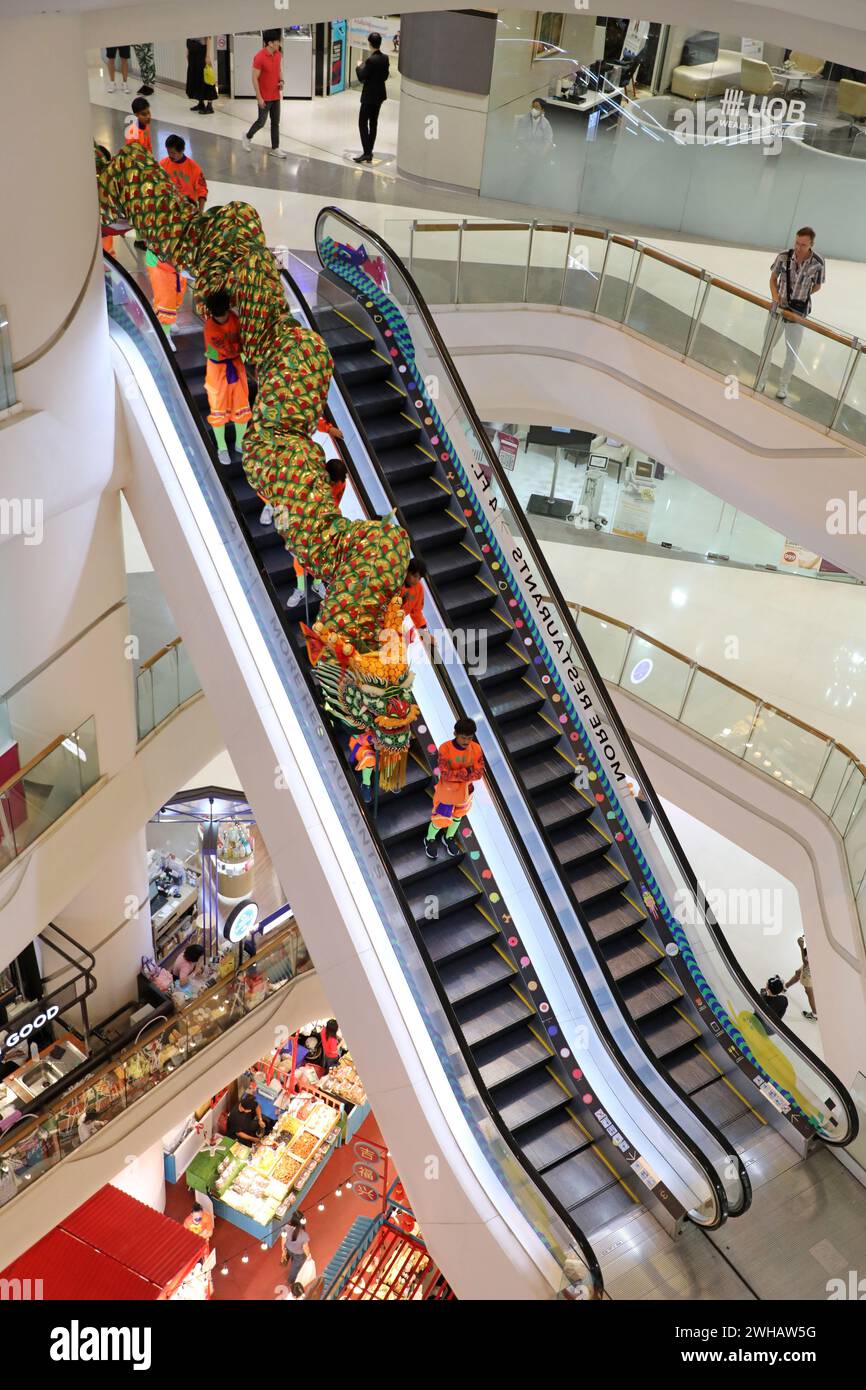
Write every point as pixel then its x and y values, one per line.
pixel 143 1177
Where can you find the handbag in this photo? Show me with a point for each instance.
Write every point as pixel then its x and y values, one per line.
pixel 210 76
pixel 797 306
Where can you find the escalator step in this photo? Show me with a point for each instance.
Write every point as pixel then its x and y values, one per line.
pixel 410 862
pixel 421 496
pixel 552 1139
pixel 691 1069
pixel 609 918
pixel 667 1035
pixel 452 564
pixel 528 1097
pixel 474 973
pixel 514 700
pixel 377 398
pixel 560 807
pixel 345 338
pixel 579 1177
pixel 355 368
pixel 262 537
pixel 647 995
pixel 545 771
pixel 385 432
pixel 533 736
pixel 491 1014
pixel 279 563
pixel 721 1103
pixel 466 596
pixel 417 775
pixel 458 932
pixel 436 530
pixel 578 842
pixel 504 663
pixel 594 878
pixel 626 957
pixel 606 1208
pixel 503 1059
pixel 404 815
pixel 409 462
pixel 451 888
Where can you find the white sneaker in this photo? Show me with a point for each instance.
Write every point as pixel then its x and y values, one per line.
pixel 223 456
pixel 126 87
pixel 247 143
pixel 782 393
pixel 278 153
pixel 112 87
pixel 267 516
pixel 319 588
pixel 296 600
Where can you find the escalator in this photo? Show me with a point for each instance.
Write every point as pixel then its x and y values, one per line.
pixel 582 1159
pixel 740 1083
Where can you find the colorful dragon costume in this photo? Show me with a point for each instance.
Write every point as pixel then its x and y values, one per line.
pixel 356 644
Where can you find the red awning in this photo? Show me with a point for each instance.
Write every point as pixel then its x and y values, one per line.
pixel 112 1246
pixel 148 1243
pixel 69 1269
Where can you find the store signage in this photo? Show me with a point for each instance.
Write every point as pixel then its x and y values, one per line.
pixel 366 1173
pixel 23 1032
pixel 507 446
pixel 361 29
pixel 641 670
pixel 367 1153
pixel 241 921
pixel 367 1193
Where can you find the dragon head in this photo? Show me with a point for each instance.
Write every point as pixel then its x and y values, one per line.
pixel 370 692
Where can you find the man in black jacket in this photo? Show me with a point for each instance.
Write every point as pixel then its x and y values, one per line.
pixel 373 74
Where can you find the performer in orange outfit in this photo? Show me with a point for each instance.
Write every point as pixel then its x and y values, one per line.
pixel 228 392
pixel 184 173
pixel 460 765
pixel 168 287
pixel 138 129
pixel 362 756
pixel 336 470
pixel 412 595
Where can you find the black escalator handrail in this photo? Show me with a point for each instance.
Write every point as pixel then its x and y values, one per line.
pixel 503 810
pixel 566 952
pixel 612 716
pixel 581 1242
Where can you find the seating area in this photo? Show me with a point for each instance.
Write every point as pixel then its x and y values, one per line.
pixel 710 79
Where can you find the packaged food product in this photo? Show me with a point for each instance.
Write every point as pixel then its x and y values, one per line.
pixel 303 1145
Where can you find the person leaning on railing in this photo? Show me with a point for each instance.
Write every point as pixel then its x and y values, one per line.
pixel 795 276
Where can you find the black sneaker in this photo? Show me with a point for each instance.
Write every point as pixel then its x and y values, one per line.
pixel 452 849
pixel 431 848
pixel 144 92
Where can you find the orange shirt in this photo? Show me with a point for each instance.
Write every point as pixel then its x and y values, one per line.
pixel 223 338
pixel 413 603
pixel 186 176
pixel 337 490
pixel 457 768
pixel 136 133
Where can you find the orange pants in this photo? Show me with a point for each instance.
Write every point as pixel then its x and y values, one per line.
pixel 227 401
pixel 168 288
pixel 451 801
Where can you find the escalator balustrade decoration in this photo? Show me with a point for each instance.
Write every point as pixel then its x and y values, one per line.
pixel 356 642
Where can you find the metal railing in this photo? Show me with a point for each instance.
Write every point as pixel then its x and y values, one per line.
pixel 759 733
pixel 45 788
pixel 164 682
pixel 41 1140
pixel 694 314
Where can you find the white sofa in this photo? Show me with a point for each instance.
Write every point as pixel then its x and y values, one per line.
pixel 708 79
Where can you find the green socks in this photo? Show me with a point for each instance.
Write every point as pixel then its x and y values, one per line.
pixel 452 830
pixel 240 431
pixel 432 831
pixel 220 433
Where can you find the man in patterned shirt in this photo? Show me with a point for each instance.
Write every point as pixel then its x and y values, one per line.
pixel 796 275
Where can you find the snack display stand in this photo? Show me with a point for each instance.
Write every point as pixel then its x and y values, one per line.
pixel 343 1083
pixel 257 1188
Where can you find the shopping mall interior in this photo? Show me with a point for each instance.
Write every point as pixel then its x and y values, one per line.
pixel 433 657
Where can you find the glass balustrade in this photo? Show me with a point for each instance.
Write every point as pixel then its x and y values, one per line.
pixel 45 788
pixel 162 685
pixel 705 319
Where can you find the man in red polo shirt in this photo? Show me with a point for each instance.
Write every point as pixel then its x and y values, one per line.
pixel 184 173
pixel 268 83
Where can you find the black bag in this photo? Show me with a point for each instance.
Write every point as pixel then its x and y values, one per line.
pixel 797 306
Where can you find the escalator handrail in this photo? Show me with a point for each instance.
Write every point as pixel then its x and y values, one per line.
pixel 581 1242
pixel 565 949
pixel 719 940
